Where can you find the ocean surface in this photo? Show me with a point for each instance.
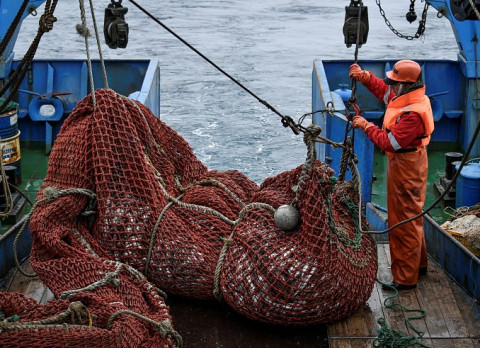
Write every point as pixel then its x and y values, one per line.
pixel 268 45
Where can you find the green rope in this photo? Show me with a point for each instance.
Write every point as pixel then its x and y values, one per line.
pixel 388 337
pixel 9 107
pixel 356 242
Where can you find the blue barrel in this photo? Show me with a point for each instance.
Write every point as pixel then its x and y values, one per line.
pixel 8 124
pixel 468 185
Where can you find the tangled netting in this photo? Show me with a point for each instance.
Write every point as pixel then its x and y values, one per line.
pixel 125 193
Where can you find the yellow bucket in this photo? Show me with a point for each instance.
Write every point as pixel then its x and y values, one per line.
pixel 11 149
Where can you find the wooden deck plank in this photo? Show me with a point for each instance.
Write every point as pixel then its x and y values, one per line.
pixel 428 301
pixel 470 310
pixel 453 317
pixel 452 343
pixel 351 343
pixel 394 316
pixel 47 296
pixel 29 286
pixel 409 300
pixel 374 311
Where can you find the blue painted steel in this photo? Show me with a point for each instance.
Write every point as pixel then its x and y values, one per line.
pixel 468 185
pixel 24 244
pixel 125 77
pixel 36 113
pixel 8 11
pixel 377 220
pixel 149 93
pixel 451 255
pixel 466 33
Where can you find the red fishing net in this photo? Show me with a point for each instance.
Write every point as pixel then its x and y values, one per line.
pixel 149 203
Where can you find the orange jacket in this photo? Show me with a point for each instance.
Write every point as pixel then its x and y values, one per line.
pixel 415 101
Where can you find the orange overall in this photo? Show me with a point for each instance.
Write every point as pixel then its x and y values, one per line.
pixel 406 189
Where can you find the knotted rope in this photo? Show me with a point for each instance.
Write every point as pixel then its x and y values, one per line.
pixel 77 312
pixel 45 24
pixel 83 31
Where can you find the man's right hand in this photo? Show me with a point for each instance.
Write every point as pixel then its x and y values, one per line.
pixel 361 123
pixel 358 74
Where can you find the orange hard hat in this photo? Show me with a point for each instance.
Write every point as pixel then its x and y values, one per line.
pixel 404 71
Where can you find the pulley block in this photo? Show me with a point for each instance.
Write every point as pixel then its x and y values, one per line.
pixel 115 28
pixel 353 26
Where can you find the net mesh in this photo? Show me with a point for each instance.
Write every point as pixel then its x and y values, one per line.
pixel 192 231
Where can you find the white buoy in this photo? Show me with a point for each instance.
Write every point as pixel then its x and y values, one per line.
pixel 287 217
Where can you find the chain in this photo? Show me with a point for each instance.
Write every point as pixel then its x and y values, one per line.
pixel 421 23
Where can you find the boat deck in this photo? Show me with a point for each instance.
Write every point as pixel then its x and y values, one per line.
pixel 453 317
pixel 452 320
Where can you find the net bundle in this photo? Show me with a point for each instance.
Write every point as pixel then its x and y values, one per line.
pixel 201 233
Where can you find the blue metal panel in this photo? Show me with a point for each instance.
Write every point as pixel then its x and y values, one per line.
pixel 8 11
pixel 24 244
pixel 452 256
pixel 149 95
pixel 377 221
pixel 125 77
pixel 465 32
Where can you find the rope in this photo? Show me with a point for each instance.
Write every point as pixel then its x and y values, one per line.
pixel 13 27
pixel 99 46
pixel 45 24
pixel 388 337
pixel 76 311
pixel 226 243
pixel 164 327
pixel 308 138
pixel 109 279
pixel 152 238
pixel 6 189
pixel 83 30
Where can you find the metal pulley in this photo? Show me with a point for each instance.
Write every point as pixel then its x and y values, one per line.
pixel 115 28
pixel 353 26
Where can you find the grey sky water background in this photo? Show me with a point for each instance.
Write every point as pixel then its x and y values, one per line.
pixel 269 46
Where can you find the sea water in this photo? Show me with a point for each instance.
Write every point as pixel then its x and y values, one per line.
pixel 268 46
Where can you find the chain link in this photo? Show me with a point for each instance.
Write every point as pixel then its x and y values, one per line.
pixel 421 23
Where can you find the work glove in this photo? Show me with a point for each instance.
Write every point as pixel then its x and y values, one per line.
pixel 358 74
pixel 361 123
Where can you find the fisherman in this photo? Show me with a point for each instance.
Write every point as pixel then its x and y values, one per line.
pixel 406 130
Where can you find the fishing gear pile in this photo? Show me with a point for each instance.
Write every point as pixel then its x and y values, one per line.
pixel 125 196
